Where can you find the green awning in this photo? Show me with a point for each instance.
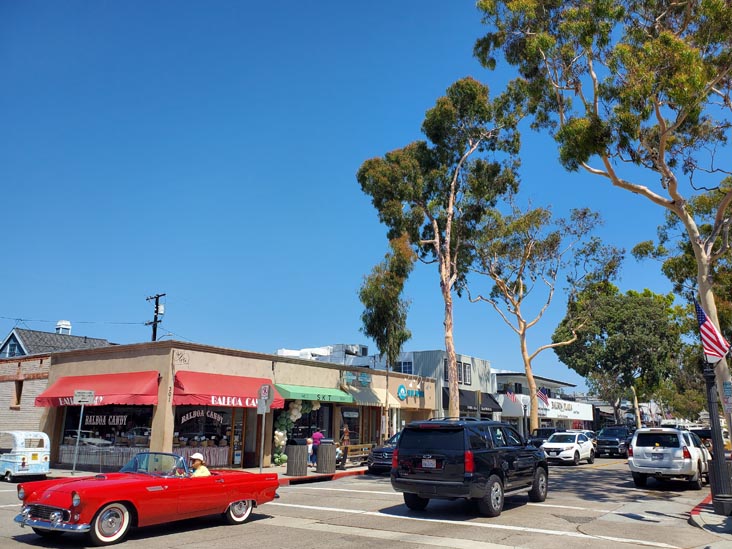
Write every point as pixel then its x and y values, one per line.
pixel 321 394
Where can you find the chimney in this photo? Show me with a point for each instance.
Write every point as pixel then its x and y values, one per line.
pixel 63 327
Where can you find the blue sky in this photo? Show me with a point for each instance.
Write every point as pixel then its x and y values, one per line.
pixel 209 150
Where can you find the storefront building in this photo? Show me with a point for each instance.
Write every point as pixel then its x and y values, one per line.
pixel 186 398
pixel 563 413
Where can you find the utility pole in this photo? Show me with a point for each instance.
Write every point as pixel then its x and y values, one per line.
pixel 159 310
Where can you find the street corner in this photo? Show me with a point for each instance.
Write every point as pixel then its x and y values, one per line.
pixel 703 516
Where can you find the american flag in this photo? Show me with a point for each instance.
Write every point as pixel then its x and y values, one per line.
pixel 715 346
pixel 511 396
pixel 542 396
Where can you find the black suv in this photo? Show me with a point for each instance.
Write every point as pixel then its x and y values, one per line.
pixel 541 435
pixel 466 458
pixel 614 439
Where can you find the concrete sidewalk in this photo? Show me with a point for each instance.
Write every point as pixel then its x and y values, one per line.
pixel 704 517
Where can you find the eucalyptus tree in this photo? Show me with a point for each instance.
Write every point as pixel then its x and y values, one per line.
pixel 523 255
pixel 384 318
pixel 437 191
pixel 635 92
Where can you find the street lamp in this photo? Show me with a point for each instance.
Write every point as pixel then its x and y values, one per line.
pixel 719 476
pixel 526 428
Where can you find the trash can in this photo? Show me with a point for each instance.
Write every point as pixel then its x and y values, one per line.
pixel 296 451
pixel 326 457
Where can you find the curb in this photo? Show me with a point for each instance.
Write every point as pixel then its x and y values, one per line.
pixel 695 518
pixel 320 478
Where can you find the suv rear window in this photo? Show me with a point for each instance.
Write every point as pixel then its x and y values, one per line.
pixel 663 440
pixel 429 439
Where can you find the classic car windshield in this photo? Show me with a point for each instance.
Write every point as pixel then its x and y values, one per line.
pixel 156 463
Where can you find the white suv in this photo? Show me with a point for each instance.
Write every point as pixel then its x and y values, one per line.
pixel 665 453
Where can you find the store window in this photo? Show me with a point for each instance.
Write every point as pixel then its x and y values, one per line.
pixel 467 373
pixel 406 368
pixel 306 424
pixel 202 426
pixel 116 424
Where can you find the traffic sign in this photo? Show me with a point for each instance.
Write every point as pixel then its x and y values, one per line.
pixel 264 392
pixel 83 397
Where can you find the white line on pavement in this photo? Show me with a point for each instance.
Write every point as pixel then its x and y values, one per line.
pixel 480 525
pixel 387 535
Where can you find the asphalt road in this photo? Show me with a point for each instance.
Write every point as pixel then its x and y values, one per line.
pixel 593 506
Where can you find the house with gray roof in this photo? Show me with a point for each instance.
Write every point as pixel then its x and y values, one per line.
pixel 22 342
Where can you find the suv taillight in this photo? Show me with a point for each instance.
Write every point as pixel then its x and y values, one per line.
pixel 687 454
pixel 469 462
pixel 630 451
pixel 395 459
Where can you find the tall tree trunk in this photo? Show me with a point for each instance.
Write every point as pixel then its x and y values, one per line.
pixel 452 378
pixel 534 414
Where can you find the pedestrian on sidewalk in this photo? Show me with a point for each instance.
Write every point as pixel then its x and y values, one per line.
pixel 311 459
pixel 317 437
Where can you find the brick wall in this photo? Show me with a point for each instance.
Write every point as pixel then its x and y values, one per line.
pixel 32 374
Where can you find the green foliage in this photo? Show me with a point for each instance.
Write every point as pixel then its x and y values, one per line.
pixel 385 314
pixel 626 337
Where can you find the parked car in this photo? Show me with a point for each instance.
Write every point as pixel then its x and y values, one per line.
pixel 705 434
pixel 592 435
pixel 666 453
pixel 614 440
pixel 569 448
pixel 152 488
pixel 379 459
pixel 24 454
pixel 541 435
pixel 464 458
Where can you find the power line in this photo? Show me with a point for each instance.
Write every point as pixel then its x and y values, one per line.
pixel 19 320
pixel 159 310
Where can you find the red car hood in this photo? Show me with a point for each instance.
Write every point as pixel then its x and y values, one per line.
pixel 80 484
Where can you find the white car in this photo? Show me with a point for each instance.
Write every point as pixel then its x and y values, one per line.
pixel 569 447
pixel 665 453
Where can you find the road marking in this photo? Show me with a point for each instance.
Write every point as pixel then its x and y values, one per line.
pixel 13 505
pixel 491 526
pixel 386 535
pixel 302 486
pixel 573 507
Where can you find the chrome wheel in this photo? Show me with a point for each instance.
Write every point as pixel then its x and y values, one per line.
pixel 239 511
pixel 111 524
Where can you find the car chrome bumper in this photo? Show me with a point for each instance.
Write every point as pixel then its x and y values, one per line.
pixel 24 521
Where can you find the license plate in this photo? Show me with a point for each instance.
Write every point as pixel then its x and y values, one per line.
pixel 34 457
pixel 429 463
pixel 656 457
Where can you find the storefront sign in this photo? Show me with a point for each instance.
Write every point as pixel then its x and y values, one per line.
pixel 348 377
pixel 114 420
pixel 201 413
pixel 403 393
pixel 364 379
pixel 350 414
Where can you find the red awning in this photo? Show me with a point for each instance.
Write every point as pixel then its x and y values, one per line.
pixel 125 388
pixel 205 389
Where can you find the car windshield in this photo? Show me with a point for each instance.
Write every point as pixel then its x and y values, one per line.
pixel 155 463
pixel 613 432
pixel 393 440
pixel 562 438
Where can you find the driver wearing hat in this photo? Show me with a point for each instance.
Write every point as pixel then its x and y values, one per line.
pixel 197 464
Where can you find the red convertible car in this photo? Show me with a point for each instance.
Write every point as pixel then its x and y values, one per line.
pixel 152 488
